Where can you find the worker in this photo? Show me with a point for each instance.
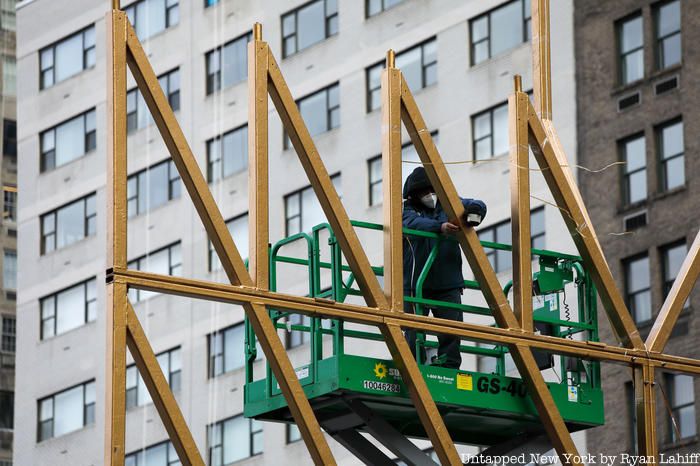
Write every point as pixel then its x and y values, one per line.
pixel 444 282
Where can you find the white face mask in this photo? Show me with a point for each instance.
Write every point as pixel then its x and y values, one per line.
pixel 429 200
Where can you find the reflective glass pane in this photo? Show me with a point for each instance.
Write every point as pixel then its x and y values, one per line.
pixel 480 29
pixel 46 58
pixel 158 263
pixel 670 51
pixel 482 149
pixel 672 140
pixel 637 186
pixel 638 274
pixel 46 409
pixel 68 412
pixel 236 439
pixel 312 212
pixel 631 34
pixel 633 66
pixel 537 222
pixel 500 130
pixel 235 62
pixel 70 224
pixel 641 306
pixel 69 57
pixel 675 172
pixel 239 231
pixel 158 184
pixel 683 390
pixel 235 147
pixel 70 140
pixel 409 63
pixel 482 125
pixel 673 258
pixel 233 348
pixel 687 421
pixel 507 27
pixel 635 154
pixel 70 306
pixel 669 18
pixel 154 17
pixel 312 25
pixel 313 111
pixel 480 52
pixel 156 456
pixel 288 25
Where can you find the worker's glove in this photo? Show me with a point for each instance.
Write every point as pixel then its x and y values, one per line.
pixel 474 212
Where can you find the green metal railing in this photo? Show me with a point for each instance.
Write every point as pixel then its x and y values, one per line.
pixel 565 267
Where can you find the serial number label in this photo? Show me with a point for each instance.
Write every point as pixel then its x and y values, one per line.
pixel 381 386
pixel 494 387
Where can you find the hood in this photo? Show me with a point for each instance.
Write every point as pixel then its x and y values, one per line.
pixel 417 180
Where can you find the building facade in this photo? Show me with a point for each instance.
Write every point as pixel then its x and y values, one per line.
pixel 636 70
pixel 459 59
pixel 8 228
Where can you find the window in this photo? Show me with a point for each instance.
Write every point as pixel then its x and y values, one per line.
pixel 501 233
pixel 68 309
pixel 9 269
pixel 671 147
pixel 162 454
pixel 9 137
pixel 682 393
pixel 66 411
pixel 9 203
pixel 308 25
pixel 8 20
pixel 418 65
pixel 68 224
pixel 228 64
pixel 137 114
pixel 490 132
pixel 9 75
pixel 136 391
pixel 374 7
pixel 227 154
pixel 673 257
pixel 633 151
pixel 152 187
pixel 67 57
pixel 298 337
pixel 149 17
pixel 293 434
pixel 208 3
pixel 238 227
pixel 667 30
pixel 234 439
pixel 7 410
pixel 499 30
pixel 637 287
pixel 320 111
pixel 630 38
pixel 9 333
pixel 302 209
pixel 227 350
pixel 410 159
pixel 164 261
pixel 68 141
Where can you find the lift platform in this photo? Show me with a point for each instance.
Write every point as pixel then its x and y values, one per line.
pixel 487 407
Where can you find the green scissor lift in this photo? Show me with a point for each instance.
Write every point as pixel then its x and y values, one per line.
pixel 351 393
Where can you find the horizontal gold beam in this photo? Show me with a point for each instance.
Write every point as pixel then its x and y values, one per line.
pixel 324 308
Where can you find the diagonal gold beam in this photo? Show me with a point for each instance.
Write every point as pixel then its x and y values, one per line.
pixel 221 239
pixel 575 216
pixel 160 392
pixel 323 186
pixel 520 207
pixel 485 275
pixel 673 305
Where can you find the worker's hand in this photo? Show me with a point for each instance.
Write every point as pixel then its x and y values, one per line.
pixel 448 228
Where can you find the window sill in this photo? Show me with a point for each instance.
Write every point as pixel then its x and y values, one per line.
pixel 67 164
pixel 65 436
pixel 628 208
pixel 499 56
pixel 669 193
pixel 310 47
pixel 684 443
pixel 67 332
pixel 414 93
pixel 150 126
pixel 152 210
pixel 68 78
pixel 150 404
pixel 67 248
pixel 217 93
pixel 315 139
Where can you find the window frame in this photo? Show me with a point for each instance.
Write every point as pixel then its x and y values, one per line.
pixel 626 175
pixel 299 192
pixel 490 111
pixel 525 18
pixel 89 141
pixel 629 295
pixel 381 10
pixel 170 376
pixel 87 301
pixel 87 53
pixel 381 64
pixel 670 380
pixel 662 160
pixel 168 9
pixel 135 264
pixel 173 96
pixel 9 334
pixel 87 217
pixel 211 358
pixel 295 12
pixel 218 428
pixel 212 252
pixel 52 397
pixel 658 41
pixel 9 203
pixel 171 457
pixel 217 84
pixel 495 227
pixel 287 142
pixel 620 55
pixel 666 282
pixel 218 139
pixel 174 188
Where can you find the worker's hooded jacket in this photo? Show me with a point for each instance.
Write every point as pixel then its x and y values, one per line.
pixel 446 271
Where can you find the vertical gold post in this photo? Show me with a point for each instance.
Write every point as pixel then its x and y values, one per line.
pixel 115 4
pixel 541 59
pixel 391 184
pixel 258 177
pixel 645 407
pixel 116 308
pixel 520 206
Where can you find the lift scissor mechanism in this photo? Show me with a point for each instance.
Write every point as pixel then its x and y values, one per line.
pixel 389 399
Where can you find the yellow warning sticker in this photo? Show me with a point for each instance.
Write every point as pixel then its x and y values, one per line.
pixel 464 382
